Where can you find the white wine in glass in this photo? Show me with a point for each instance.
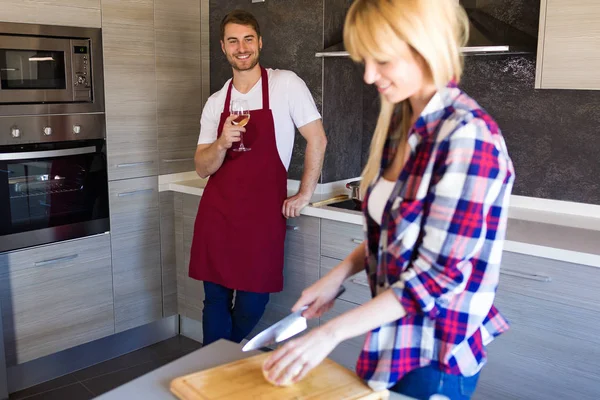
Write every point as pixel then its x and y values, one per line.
pixel 239 108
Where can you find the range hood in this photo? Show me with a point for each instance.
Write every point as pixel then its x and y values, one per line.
pixel 487 36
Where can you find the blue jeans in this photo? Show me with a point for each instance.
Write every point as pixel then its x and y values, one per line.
pixel 421 383
pixel 222 319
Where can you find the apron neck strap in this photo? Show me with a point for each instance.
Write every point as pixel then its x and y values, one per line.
pixel 265 92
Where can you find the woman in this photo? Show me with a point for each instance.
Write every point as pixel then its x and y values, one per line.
pixel 437 185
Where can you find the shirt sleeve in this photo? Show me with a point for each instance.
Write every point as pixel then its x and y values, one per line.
pixel 209 123
pixel 303 109
pixel 463 209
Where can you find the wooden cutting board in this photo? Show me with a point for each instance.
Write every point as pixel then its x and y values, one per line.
pixel 244 379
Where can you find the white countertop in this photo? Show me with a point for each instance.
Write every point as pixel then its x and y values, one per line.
pixel 553 229
pixel 155 385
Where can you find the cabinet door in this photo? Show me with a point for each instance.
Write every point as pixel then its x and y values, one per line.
pixel 167 253
pixel 179 82
pixel 130 87
pixel 135 234
pixel 193 298
pixel 84 13
pixel 569 43
pixel 552 349
pixel 340 238
pixel 301 269
pixel 56 297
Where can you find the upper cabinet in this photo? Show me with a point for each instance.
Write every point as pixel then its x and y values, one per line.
pixel 569 45
pixel 52 12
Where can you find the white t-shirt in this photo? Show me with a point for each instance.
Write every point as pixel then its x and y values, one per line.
pixel 289 99
pixel 379 197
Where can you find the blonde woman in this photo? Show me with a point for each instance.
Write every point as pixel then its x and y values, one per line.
pixel 437 186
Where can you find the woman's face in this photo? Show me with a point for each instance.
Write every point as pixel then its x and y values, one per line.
pixel 397 78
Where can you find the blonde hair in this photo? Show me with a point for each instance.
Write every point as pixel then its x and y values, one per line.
pixel 435 29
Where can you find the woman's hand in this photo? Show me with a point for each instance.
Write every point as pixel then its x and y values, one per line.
pixel 320 296
pixel 291 363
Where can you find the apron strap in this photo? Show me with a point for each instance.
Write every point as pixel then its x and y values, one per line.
pixel 265 92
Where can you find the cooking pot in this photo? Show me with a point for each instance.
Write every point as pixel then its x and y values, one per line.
pixel 356 192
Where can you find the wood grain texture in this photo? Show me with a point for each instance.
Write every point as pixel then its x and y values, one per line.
pixel 56 297
pixel 339 239
pixel 167 253
pixel 84 13
pixel 571 59
pixel 357 287
pixel 244 379
pixel 135 227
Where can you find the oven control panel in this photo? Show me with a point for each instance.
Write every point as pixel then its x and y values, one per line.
pixel 82 72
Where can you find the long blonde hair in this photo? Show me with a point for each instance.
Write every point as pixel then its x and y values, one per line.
pixel 435 29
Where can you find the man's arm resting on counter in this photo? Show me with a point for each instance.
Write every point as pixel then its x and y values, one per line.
pixel 316 142
pixel 209 158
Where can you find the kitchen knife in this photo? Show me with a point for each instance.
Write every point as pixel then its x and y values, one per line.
pixel 282 330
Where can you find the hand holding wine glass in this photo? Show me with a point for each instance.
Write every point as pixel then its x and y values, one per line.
pixel 239 109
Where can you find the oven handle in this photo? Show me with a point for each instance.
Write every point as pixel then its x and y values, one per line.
pixel 31 155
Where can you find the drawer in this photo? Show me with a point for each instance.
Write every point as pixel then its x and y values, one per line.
pixel 56 297
pixel 176 153
pixel 133 196
pixel 340 238
pixel 541 278
pixel 357 287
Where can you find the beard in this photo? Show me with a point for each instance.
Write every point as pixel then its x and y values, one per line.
pixel 234 62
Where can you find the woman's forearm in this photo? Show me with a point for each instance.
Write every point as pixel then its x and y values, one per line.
pixel 351 265
pixel 379 311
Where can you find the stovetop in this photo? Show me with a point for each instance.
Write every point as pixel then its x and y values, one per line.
pixel 353 205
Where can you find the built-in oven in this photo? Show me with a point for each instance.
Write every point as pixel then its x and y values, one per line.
pixel 50 69
pixel 52 191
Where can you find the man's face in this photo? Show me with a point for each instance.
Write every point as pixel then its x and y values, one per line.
pixel 241 46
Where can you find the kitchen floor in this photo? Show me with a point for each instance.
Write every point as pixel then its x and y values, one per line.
pixel 100 378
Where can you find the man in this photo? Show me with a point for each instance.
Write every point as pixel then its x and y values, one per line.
pixel 240 227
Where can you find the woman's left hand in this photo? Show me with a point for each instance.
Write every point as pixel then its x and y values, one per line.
pixel 298 357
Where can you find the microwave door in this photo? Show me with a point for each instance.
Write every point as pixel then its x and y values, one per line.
pixel 35 70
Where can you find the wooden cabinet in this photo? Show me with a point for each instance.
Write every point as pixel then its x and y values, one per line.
pixel 568 45
pixel 130 87
pixel 56 297
pixel 168 258
pixel 552 349
pixel 134 220
pixel 84 13
pixel 179 82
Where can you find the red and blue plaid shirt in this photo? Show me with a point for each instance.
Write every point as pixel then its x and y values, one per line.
pixel 440 243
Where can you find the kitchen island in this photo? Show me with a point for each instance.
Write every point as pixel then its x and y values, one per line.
pixel 155 385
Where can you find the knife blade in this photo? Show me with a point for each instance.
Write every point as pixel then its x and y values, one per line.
pixel 282 330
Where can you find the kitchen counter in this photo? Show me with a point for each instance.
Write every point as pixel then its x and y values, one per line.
pixel 552 229
pixel 155 385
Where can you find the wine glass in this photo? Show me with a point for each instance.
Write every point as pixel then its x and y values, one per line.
pixel 239 108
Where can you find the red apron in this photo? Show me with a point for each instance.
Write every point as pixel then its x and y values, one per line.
pixel 239 232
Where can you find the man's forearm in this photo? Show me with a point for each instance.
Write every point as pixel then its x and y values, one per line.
pixel 209 159
pixel 313 163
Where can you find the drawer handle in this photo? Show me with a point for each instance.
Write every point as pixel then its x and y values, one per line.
pixel 134 164
pixel 532 277
pixel 360 282
pixel 55 260
pixel 135 192
pixel 178 160
pixel 357 241
pixel 292 228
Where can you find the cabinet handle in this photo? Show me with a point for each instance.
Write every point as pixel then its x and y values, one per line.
pixel 134 164
pixel 292 228
pixel 357 241
pixel 135 192
pixel 178 160
pixel 532 277
pixel 360 282
pixel 55 260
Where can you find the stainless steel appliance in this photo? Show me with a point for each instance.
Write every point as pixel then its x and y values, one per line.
pixel 47 69
pixel 53 169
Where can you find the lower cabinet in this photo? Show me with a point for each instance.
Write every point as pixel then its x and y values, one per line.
pixel 552 350
pixel 136 259
pixel 56 297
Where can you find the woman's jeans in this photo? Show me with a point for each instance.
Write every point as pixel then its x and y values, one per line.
pixel 222 319
pixel 423 382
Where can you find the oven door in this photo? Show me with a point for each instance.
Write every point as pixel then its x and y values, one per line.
pixel 51 192
pixel 35 70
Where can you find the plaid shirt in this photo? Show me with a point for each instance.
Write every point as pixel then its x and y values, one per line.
pixel 440 243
